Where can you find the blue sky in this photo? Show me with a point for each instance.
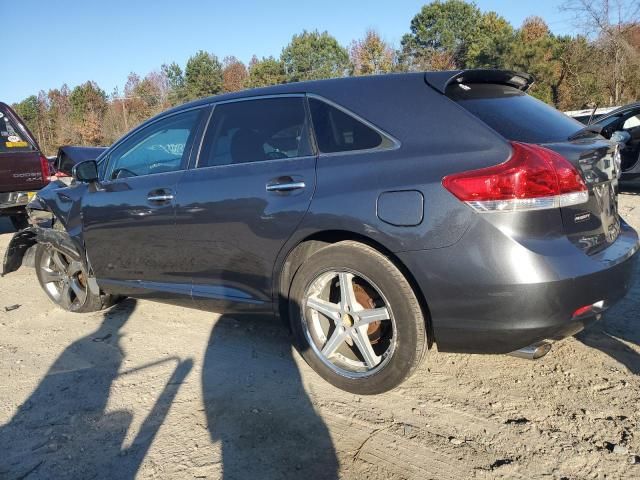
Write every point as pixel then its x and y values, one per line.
pixel 66 41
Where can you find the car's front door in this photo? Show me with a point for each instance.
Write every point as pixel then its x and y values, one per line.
pixel 631 151
pixel 251 188
pixel 129 217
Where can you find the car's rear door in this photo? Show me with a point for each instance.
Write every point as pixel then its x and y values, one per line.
pixel 252 186
pixel 129 218
pixel 22 167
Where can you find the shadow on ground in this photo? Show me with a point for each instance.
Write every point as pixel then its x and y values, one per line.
pixel 255 405
pixel 76 437
pixel 620 324
pixel 259 410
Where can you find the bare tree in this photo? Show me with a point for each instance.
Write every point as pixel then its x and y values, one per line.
pixel 612 24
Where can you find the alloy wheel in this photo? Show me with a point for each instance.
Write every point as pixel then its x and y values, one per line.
pixel 349 323
pixel 64 279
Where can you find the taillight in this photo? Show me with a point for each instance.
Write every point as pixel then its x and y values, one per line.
pixel 44 167
pixel 534 178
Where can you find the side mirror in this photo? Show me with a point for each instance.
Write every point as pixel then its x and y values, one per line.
pixel 86 171
pixel 621 137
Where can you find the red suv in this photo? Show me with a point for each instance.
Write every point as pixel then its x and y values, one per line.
pixel 23 168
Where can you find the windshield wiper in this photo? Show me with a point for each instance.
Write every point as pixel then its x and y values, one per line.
pixel 584 132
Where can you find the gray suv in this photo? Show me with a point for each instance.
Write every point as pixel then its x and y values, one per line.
pixel 375 215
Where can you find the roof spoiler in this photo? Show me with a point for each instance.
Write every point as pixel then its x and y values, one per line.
pixel 441 80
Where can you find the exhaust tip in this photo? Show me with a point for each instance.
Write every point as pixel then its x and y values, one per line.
pixel 533 352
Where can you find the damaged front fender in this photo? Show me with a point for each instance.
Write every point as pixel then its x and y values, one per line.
pixel 25 239
pixel 55 217
pixel 20 243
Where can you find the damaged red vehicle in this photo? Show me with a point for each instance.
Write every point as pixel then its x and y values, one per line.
pixel 23 168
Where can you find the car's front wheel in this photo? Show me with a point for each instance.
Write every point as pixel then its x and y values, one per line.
pixel 65 281
pixel 355 318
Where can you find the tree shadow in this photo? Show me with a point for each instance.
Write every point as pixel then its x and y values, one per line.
pixel 619 324
pixel 63 430
pixel 257 407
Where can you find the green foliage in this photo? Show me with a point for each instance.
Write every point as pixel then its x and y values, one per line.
pixel 492 44
pixel 442 34
pixel 27 109
pixel 202 76
pixel 88 105
pixel 313 56
pixel 175 80
pixel 265 72
pixel 85 98
pixel 456 34
pixel 538 52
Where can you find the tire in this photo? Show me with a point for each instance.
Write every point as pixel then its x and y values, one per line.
pixel 20 221
pixel 331 336
pixel 50 265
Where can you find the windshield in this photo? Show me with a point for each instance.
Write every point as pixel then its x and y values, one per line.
pixel 514 114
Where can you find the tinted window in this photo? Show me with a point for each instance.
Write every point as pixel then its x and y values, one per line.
pixel 337 131
pixel 514 114
pixel 161 147
pixel 631 122
pixel 256 130
pixel 11 137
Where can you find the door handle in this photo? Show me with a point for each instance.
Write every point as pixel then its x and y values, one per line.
pixel 160 196
pixel 286 184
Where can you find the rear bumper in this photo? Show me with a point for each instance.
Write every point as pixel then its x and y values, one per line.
pixel 492 294
pixel 13 200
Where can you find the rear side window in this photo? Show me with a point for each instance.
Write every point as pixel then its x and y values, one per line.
pixel 256 130
pixel 11 137
pixel 514 114
pixel 337 131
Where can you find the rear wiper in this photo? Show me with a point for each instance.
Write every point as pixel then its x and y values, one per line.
pixel 584 132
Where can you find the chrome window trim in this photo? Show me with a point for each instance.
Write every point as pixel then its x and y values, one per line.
pixel 395 143
pixel 259 97
pixel 258 162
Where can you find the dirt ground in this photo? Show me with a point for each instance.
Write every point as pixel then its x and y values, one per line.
pixel 148 390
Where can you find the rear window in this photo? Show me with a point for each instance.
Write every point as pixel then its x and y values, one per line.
pixel 514 114
pixel 11 137
pixel 337 131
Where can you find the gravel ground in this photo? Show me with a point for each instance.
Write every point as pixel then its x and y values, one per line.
pixel 148 390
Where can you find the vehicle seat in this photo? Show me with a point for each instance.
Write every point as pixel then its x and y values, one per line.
pixel 247 146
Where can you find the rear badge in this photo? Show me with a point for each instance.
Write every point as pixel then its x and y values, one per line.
pixel 582 217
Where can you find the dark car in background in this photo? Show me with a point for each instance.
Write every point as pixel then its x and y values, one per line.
pixel 23 168
pixel 625 119
pixel 376 215
pixel 70 155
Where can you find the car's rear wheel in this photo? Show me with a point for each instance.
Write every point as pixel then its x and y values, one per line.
pixel 20 221
pixel 65 281
pixel 356 320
